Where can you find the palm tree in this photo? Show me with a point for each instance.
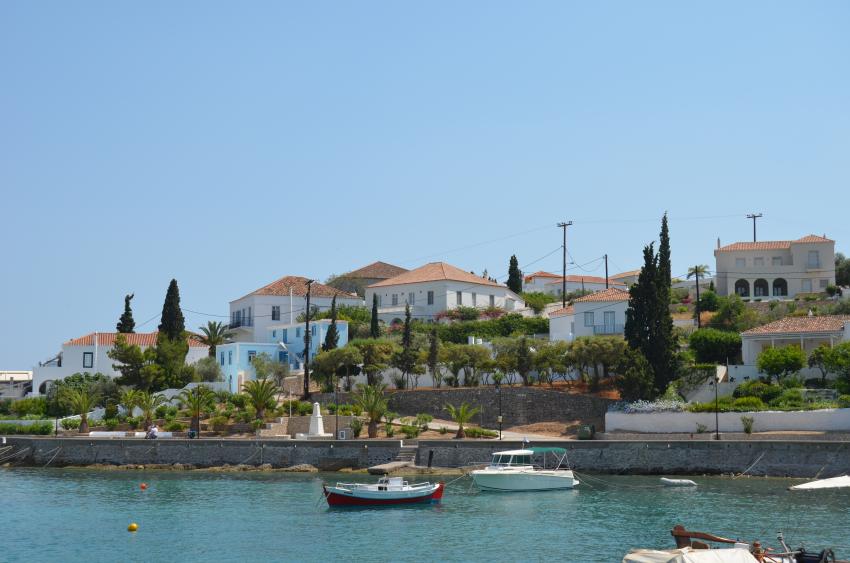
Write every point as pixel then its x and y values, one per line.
pixel 214 333
pixel 129 400
pixel 261 394
pixel 699 271
pixel 81 400
pixel 461 415
pixel 201 398
pixel 371 399
pixel 148 402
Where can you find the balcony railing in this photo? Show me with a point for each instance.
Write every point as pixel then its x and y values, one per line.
pixel 236 323
pixel 608 329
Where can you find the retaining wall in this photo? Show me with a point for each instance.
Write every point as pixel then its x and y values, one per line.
pixel 826 420
pixel 520 405
pixel 773 458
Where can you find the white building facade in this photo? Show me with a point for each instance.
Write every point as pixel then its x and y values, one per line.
pixel 805 332
pixel 89 354
pixel 281 302
pixel 599 314
pixel 436 288
pixel 775 269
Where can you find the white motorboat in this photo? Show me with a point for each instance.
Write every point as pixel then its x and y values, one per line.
pixel 833 483
pixel 677 482
pixel 512 470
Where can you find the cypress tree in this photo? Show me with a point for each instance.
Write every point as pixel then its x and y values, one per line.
pixel 332 336
pixel 172 324
pixel 374 328
pixel 514 282
pixel 433 354
pixel 126 324
pixel 664 342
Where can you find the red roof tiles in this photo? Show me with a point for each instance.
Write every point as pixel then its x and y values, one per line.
pixel 136 338
pixel 798 325
pixel 377 271
pixel 586 279
pixel 436 271
pixel 298 285
pixel 610 294
pixel 772 244
pixel 568 310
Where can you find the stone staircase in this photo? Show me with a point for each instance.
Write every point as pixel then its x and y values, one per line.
pixel 407 454
pixel 406 457
pixel 278 429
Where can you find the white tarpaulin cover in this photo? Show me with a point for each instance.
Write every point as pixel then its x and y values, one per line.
pixel 834 483
pixel 688 555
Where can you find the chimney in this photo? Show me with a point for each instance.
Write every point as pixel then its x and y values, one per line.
pixel 718 242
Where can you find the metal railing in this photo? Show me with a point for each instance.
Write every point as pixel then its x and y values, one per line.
pixel 608 329
pixel 236 323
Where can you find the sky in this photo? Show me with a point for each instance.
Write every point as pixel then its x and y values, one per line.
pixel 227 144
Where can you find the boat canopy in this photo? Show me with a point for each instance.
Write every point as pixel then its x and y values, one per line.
pixel 558 451
pixel 514 452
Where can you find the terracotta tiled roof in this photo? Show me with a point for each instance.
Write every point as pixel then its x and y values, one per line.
pixel 610 294
pixel 435 271
pixel 376 271
pixel 298 285
pixel 628 274
pixel 136 338
pixel 771 244
pixel 540 274
pixel 796 325
pixel 586 279
pixel 568 310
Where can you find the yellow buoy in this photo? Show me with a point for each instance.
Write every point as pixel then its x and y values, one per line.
pixel 132 527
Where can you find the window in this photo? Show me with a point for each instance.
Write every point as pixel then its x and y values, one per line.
pixel 229 357
pixel 221 358
pixel 758 261
pixel 824 283
pixel 275 312
pixel 285 335
pixel 411 298
pixel 459 297
pixel 573 327
pixel 588 318
pixel 395 299
pixel 814 259
pixel 274 334
pixel 313 330
pixel 430 298
pixel 282 357
pixel 608 319
pixel 776 260
pixel 88 359
pixel 740 262
pixel 492 300
pixel 380 301
pixel 298 332
pixel 807 286
pixel 474 300
pixel 252 354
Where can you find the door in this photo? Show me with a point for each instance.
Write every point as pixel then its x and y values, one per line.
pixel 608 320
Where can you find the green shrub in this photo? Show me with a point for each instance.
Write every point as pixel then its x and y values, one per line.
pixel 701 428
pixel 174 426
pixel 475 432
pixel 711 345
pixel 5 406
pixel 747 423
pixel 724 404
pixel 31 405
pixel 246 416
pixel 305 408
pixel 110 423
pixel 239 400
pixel 789 399
pixel 134 422
pixel 423 420
pixel 39 428
pixel 356 409
pixel 70 423
pixel 160 411
pixel 410 431
pixel 218 423
pixel 764 391
pixel 110 410
pixel 844 402
pixel 257 424
pixel 332 408
pixel 444 430
pixel 356 426
pixel 747 404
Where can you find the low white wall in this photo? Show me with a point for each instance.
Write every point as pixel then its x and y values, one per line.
pixel 837 420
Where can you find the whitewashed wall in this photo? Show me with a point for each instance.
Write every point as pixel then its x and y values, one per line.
pixel 827 420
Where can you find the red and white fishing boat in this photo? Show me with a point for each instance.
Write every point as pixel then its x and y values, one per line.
pixel 387 491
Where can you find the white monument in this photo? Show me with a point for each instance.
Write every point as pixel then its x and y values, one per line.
pixel 317 427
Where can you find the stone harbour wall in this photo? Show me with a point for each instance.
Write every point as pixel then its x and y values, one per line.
pixel 520 405
pixel 771 458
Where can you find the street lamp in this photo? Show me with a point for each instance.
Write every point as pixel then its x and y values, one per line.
pixel 499 419
pixel 716 413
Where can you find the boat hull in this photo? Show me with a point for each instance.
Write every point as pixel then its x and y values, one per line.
pixel 344 497
pixel 523 480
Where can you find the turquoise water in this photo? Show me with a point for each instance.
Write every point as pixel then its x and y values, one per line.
pixel 82 515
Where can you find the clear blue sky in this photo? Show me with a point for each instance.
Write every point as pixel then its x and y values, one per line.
pixel 226 144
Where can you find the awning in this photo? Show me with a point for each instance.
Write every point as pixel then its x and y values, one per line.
pixel 558 451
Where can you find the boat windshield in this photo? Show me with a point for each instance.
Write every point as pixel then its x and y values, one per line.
pixel 509 460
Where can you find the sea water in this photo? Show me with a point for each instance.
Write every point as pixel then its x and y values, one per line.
pixel 82 515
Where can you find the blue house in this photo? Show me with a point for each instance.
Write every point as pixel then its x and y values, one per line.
pixel 284 344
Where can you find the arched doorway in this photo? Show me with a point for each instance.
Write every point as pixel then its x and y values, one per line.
pixel 780 288
pixel 760 288
pixel 42 389
pixel 742 288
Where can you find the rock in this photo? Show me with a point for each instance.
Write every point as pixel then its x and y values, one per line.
pixel 265 467
pixel 301 468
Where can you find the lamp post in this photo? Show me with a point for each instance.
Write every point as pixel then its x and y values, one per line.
pixel 499 392
pixel 336 411
pixel 716 413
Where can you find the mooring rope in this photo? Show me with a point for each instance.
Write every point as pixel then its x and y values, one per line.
pixel 751 466
pixel 58 449
pixel 10 456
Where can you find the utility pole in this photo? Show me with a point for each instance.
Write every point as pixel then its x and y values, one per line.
pixel 307 344
pixel 564 265
pixel 696 273
pixel 606 271
pixel 754 216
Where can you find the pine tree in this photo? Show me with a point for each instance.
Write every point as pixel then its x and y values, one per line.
pixel 126 324
pixel 172 324
pixel 374 328
pixel 406 360
pixel 332 336
pixel 434 355
pixel 514 282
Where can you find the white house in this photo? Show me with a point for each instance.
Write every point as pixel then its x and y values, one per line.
pixel 435 288
pixel 280 301
pixel 626 278
pixel 579 283
pixel 775 269
pixel 537 281
pixel 600 313
pixel 806 332
pixel 88 354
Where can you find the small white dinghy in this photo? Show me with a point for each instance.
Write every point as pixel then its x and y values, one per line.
pixel 677 482
pixel 833 483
